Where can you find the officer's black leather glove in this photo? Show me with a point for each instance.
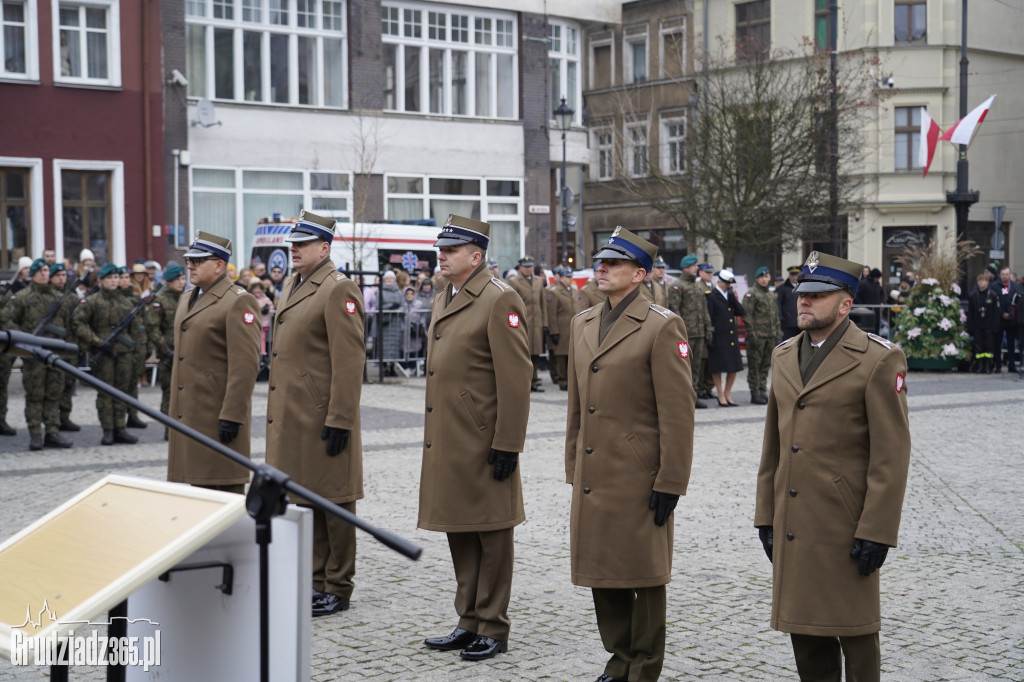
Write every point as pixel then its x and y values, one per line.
pixel 228 430
pixel 168 359
pixel 554 338
pixel 871 554
pixel 336 439
pixel 504 463
pixel 767 535
pixel 662 504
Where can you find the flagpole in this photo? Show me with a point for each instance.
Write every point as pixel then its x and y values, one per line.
pixel 963 197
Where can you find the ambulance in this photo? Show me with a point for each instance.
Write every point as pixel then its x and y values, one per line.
pixel 370 247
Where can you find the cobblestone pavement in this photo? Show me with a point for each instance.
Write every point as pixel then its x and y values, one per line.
pixel 952 590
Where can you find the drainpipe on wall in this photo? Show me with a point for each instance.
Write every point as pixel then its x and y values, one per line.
pixel 147 151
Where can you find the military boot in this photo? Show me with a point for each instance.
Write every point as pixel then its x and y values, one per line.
pixel 55 440
pixel 35 441
pixel 6 429
pixel 121 435
pixel 108 437
pixel 67 425
pixel 135 423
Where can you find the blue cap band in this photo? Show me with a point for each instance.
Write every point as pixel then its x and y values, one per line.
pixel 211 248
pixel 464 233
pixel 638 254
pixel 825 273
pixel 315 230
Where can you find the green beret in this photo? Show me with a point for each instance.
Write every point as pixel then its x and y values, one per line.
pixel 122 270
pixel 55 268
pixel 37 264
pixel 763 270
pixel 688 261
pixel 173 272
pixel 107 270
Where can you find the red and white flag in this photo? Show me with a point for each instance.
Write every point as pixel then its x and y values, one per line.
pixel 930 132
pixel 964 130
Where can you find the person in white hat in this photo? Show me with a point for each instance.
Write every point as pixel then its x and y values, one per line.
pixel 724 352
pixel 21 278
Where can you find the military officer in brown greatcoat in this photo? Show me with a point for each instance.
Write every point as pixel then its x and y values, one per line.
pixel 560 311
pixel 832 476
pixel 477 406
pixel 628 450
pixel 588 296
pixel 530 288
pixel 316 378
pixel 216 359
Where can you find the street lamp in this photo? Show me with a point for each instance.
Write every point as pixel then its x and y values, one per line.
pixel 563 115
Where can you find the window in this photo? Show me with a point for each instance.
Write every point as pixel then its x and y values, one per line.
pixel 636 152
pixel 85 213
pixel 604 144
pixel 673 145
pixel 753 30
pixel 449 63
pixel 218 192
pixel 822 35
pixel 15 237
pixel 290 52
pixel 564 62
pixel 907 137
pixel 672 60
pixel 602 57
pixel 910 22
pixel 87 42
pixel 18 39
pixel 634 51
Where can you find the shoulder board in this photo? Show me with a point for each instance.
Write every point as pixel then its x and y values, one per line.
pixel 706 291
pixel 583 311
pixel 785 342
pixel 239 291
pixel 501 284
pixel 879 339
pixel 338 276
pixel 664 312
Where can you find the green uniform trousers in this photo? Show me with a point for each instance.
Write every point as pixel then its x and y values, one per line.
pixel 68 390
pixel 759 361
pixel 43 388
pixel 698 356
pixel 632 626
pixel 116 371
pixel 558 364
pixel 483 572
pixel 163 375
pixel 334 553
pixel 138 369
pixel 820 659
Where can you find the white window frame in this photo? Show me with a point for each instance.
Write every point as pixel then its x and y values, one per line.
pixel 665 157
pixel 483 197
pixel 629 148
pixel 632 36
pixel 35 197
pixel 672 26
pixel 264 27
pixel 564 55
pixel 117 219
pixel 602 39
pixel 31 45
pixel 603 150
pixel 457 38
pixel 113 9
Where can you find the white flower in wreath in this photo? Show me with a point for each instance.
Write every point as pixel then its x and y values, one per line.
pixel 949 349
pixel 945 325
pixel 955 287
pixel 914 333
pixel 918 312
pixel 929 280
pixel 945 300
pixel 963 317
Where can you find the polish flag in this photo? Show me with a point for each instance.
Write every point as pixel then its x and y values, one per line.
pixel 964 130
pixel 930 132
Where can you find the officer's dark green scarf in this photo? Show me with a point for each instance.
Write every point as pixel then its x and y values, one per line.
pixel 609 314
pixel 811 357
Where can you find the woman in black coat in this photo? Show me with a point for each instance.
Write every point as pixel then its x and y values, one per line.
pixel 724 352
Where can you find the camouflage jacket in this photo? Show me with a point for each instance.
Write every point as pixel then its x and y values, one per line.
pixel 29 306
pixel 160 322
pixel 687 297
pixel 139 333
pixel 762 314
pixel 97 315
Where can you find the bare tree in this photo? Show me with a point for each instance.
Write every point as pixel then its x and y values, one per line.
pixel 364 149
pixel 755 174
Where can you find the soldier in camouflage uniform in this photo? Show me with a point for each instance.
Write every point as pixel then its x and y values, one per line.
pixel 687 298
pixel 140 337
pixel 764 332
pixel 59 282
pixel 161 329
pixel 43 384
pixel 112 361
pixel 6 363
pixel 705 272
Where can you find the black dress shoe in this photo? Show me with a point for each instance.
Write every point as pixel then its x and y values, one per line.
pixel 482 648
pixel 6 429
pixel 758 400
pixel 537 388
pixel 67 425
pixel 328 604
pixel 135 423
pixel 458 639
pixel 608 678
